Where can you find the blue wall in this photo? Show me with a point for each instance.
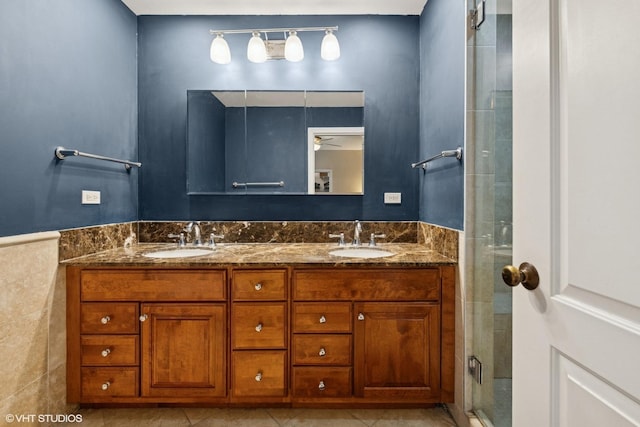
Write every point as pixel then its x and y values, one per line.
pixel 442 77
pixel 67 77
pixel 380 55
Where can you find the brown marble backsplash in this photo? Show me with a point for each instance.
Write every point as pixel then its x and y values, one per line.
pixel 281 231
pixel 439 239
pixel 83 241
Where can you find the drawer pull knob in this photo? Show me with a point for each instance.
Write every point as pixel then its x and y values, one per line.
pixel 259 327
pixel 322 352
pixel 106 352
pixel 323 319
pixel 258 286
pixel 259 376
pixel 106 385
pixel 360 316
pixel 105 320
pixel 144 317
pixel 321 386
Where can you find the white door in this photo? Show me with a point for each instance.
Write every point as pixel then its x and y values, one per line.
pixel 576 92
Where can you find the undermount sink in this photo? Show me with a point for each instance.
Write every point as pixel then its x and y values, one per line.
pixel 179 253
pixel 361 253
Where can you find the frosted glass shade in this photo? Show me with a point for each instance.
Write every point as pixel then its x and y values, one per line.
pixel 293 50
pixel 330 49
pixel 256 50
pixel 220 53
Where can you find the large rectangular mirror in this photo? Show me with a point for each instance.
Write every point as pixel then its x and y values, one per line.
pixel 275 142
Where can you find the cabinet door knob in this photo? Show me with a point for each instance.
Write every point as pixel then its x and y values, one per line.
pixel 360 316
pixel 321 386
pixel 105 320
pixel 106 352
pixel 259 376
pixel 144 317
pixel 106 385
pixel 323 319
pixel 258 286
pixel 322 352
pixel 259 327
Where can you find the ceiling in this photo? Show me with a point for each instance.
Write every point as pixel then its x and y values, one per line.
pixel 276 7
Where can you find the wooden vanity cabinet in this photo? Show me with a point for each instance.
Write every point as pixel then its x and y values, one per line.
pixel 401 324
pixel 285 336
pixel 146 335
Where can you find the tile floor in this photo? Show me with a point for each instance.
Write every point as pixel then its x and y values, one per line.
pixel 286 417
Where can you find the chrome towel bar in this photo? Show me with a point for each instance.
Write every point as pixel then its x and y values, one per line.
pixel 457 153
pixel 258 184
pixel 62 153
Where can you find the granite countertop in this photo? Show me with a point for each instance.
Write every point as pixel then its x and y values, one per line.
pixel 263 254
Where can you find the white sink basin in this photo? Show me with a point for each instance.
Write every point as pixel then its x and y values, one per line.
pixel 361 253
pixel 179 253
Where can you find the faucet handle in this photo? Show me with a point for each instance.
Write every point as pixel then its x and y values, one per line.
pixel 181 239
pixel 212 237
pixel 338 236
pixel 372 240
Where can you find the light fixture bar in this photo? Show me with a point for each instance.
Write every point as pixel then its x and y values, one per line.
pixel 273 30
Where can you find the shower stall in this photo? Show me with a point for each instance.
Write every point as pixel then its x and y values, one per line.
pixel 488 209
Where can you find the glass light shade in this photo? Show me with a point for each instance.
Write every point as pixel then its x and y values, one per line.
pixel 330 49
pixel 293 50
pixel 220 53
pixel 256 49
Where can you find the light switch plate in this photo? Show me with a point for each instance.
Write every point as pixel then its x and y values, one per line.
pixel 392 198
pixel 90 197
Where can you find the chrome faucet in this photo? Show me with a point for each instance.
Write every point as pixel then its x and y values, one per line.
pixel 356 234
pixel 195 226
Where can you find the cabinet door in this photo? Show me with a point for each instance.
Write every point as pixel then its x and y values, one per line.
pixel 183 350
pixel 397 350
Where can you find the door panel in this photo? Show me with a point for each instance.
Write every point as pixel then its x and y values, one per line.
pixel 576 206
pixel 183 350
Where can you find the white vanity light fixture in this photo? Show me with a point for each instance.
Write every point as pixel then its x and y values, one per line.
pixel 259 50
pixel 293 50
pixel 330 48
pixel 256 49
pixel 219 52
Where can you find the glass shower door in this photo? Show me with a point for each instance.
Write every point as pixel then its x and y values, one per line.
pixel 489 208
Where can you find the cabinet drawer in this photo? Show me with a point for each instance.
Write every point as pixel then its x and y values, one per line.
pixel 259 285
pixel 109 318
pixel 109 350
pixel 321 349
pixel 109 382
pixel 322 382
pixel 258 325
pixel 259 373
pixel 153 285
pixel 322 318
pixel 370 284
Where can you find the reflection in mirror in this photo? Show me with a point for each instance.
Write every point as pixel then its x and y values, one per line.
pixel 336 160
pixel 257 142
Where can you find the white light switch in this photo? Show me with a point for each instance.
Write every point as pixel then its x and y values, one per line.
pixel 90 197
pixel 392 198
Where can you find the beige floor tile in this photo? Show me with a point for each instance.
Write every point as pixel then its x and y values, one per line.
pixel 231 418
pixel 267 417
pixel 324 417
pixel 160 417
